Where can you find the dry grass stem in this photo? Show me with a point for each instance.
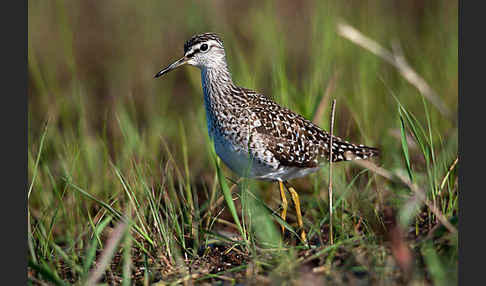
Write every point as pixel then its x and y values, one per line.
pixel 444 180
pixel 397 60
pixel 419 193
pixel 330 172
pixel 331 85
pixel 219 201
pixel 105 258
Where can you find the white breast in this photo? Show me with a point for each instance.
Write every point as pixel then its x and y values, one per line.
pixel 236 159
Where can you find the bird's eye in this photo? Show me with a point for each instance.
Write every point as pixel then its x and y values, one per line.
pixel 204 47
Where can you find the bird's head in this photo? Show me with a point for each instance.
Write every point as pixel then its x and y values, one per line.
pixel 204 51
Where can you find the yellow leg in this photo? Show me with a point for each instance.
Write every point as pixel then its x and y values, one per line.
pixel 295 198
pixel 284 204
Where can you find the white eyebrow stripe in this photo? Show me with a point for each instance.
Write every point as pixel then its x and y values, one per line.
pixel 210 43
pixel 197 47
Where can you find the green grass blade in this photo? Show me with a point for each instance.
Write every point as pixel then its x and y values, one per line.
pixel 440 275
pixel 341 198
pixel 404 141
pixel 37 160
pixel 66 258
pixel 227 194
pixel 275 215
pixel 47 273
pixel 133 199
pixel 91 251
pixel 107 254
pixel 30 239
pixel 114 212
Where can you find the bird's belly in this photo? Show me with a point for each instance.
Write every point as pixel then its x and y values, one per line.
pixel 236 158
pixel 239 161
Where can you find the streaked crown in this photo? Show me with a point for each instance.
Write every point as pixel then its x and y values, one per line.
pixel 205 51
pixel 197 39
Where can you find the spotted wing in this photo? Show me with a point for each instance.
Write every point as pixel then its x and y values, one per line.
pixel 295 141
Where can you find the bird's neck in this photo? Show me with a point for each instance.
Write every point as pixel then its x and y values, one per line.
pixel 217 85
pixel 219 98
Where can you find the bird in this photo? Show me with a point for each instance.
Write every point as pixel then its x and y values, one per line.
pixel 253 135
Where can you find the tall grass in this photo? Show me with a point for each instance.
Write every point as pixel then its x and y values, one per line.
pixel 125 187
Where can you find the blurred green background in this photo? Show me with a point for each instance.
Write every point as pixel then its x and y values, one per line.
pixel 91 66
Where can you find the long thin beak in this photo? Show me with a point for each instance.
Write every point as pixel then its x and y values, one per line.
pixel 178 63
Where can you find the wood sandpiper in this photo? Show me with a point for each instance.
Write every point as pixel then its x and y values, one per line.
pixel 254 136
